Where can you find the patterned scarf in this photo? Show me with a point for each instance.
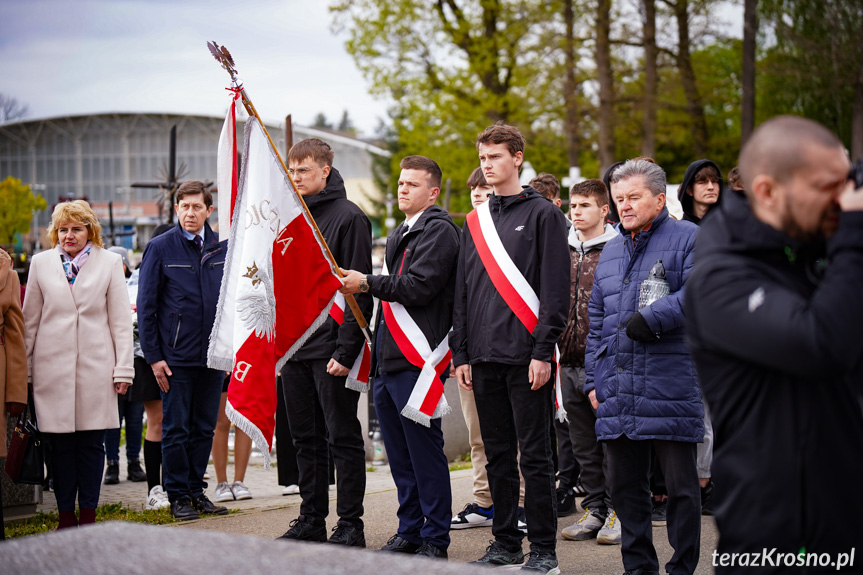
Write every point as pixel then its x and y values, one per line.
pixel 72 266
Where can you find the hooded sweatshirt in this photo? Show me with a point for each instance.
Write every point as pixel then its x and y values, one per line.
pixel 688 180
pixel 584 256
pixel 348 234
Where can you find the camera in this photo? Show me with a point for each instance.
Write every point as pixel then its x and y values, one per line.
pixel 855 174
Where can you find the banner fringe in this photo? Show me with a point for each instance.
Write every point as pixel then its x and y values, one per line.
pixel 357 385
pixel 251 430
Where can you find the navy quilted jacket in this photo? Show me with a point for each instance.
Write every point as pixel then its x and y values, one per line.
pixel 645 390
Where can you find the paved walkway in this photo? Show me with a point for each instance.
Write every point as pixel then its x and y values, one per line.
pixel 268 514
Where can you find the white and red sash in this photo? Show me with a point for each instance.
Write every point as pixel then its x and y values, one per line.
pixel 509 282
pixel 427 400
pixel 358 378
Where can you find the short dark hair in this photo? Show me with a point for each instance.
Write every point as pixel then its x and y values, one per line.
pixel 193 187
pixel 425 164
pixel 547 185
pixel 318 150
pixel 777 148
pixel 502 133
pixel 734 181
pixel 708 172
pixel 592 189
pixel 476 179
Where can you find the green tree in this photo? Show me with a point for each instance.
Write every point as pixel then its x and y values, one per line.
pixel 321 121
pixel 17 204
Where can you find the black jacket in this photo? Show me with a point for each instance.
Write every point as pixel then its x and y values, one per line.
pixel 775 336
pixel 348 233
pixel 485 329
pixel 421 266
pixel 178 293
pixel 688 180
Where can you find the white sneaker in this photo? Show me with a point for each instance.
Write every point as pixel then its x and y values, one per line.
pixel 291 489
pixel 240 491
pixel 585 528
pixel 223 492
pixel 610 532
pixel 157 498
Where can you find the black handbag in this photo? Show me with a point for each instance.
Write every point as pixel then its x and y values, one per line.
pixel 25 462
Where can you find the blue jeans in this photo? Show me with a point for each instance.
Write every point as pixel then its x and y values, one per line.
pixel 417 461
pixel 190 409
pixel 133 412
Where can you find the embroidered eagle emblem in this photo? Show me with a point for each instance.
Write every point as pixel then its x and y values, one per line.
pixel 257 308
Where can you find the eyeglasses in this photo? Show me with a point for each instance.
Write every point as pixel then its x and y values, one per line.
pixel 302 171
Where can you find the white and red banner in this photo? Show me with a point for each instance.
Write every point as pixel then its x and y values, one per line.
pixel 509 282
pixel 358 377
pixel 226 167
pixel 277 289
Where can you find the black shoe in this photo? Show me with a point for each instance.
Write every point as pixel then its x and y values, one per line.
pixel 303 529
pixel 658 515
pixel 112 474
pixel 565 502
pixel 206 507
pixel 578 488
pixel 640 572
pixel 134 471
pixel 499 555
pixel 707 499
pixel 430 551
pixel 348 534
pixel 542 562
pixel 181 510
pixel 399 545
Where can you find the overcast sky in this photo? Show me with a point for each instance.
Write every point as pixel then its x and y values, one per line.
pixel 65 57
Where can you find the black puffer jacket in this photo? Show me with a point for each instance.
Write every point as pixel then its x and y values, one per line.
pixel 776 341
pixel 688 180
pixel 422 273
pixel 485 329
pixel 348 233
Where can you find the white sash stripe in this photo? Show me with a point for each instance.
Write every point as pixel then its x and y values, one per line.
pixel 512 273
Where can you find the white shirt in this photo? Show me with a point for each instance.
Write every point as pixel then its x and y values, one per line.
pixel 411 221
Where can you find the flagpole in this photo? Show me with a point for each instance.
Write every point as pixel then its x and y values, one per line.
pixel 224 58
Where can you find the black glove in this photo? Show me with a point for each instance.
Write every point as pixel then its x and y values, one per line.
pixel 638 330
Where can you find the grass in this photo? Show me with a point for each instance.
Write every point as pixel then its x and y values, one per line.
pixel 45 522
pixel 462 462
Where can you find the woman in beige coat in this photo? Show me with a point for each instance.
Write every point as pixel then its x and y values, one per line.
pixel 78 329
pixel 13 369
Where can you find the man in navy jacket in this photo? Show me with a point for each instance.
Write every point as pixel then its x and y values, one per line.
pixel 639 375
pixel 178 294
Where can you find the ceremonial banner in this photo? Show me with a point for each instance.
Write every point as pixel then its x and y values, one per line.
pixel 277 289
pixel 226 168
pixel 510 283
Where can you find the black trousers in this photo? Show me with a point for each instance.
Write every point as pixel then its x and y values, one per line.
pixel 628 467
pixel 289 473
pixel 511 415
pixel 78 460
pixel 586 449
pixel 322 415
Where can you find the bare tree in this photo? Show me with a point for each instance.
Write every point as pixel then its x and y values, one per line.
pixel 606 85
pixel 857 112
pixel 570 96
pixel 11 109
pixel 750 33
pixel 648 142
pixel 694 104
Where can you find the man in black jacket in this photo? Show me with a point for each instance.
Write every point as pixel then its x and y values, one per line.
pixel 774 308
pixel 503 348
pixel 322 411
pixel 415 316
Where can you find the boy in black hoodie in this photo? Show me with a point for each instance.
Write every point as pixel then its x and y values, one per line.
pixel 322 411
pixel 701 190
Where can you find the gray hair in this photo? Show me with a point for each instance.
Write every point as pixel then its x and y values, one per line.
pixel 654 176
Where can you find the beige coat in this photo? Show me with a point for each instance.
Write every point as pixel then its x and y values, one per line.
pixel 13 364
pixel 79 341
